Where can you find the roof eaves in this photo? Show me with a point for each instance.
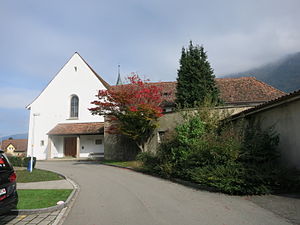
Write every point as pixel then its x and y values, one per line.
pixel 106 85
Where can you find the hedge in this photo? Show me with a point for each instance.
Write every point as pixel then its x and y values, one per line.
pixel 21 161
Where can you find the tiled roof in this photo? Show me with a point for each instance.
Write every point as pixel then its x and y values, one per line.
pixel 19 144
pixel 242 90
pixel 270 104
pixel 246 89
pixel 77 128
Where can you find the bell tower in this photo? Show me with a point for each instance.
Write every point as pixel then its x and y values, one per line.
pixel 119 81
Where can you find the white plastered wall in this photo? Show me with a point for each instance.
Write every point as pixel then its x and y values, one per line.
pixel 88 145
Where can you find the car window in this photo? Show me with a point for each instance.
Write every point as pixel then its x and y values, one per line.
pixel 4 162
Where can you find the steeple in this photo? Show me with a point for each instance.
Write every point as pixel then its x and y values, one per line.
pixel 119 81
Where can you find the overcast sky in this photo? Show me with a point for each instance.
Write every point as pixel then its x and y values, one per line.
pixel 38 37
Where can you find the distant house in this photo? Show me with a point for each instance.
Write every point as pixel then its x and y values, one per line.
pixel 284 114
pixel 15 147
pixel 61 124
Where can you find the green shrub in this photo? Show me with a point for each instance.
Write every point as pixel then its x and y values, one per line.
pixel 232 160
pixel 15 160
pixel 149 160
pixel 228 178
pixel 259 146
pixel 21 161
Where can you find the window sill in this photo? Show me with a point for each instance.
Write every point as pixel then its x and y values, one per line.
pixel 73 118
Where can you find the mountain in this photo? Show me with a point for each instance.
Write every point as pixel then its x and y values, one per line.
pixel 16 136
pixel 283 74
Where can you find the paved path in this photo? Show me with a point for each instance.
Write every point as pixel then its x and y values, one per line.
pixel 36 219
pixel 55 184
pixel 113 196
pixel 287 206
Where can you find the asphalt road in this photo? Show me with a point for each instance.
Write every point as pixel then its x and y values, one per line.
pixel 113 196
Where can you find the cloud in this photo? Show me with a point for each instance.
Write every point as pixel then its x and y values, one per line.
pixel 145 36
pixel 38 37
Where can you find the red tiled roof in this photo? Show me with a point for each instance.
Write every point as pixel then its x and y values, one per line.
pixel 269 104
pixel 232 91
pixel 246 89
pixel 77 128
pixel 19 144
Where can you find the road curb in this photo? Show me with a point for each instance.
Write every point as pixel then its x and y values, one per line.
pixel 67 203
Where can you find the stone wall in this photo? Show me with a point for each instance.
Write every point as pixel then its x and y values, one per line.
pixel 118 147
pixel 285 118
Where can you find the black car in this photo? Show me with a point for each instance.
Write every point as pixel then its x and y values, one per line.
pixel 8 192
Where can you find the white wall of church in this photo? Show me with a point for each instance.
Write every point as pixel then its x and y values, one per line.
pixel 53 104
pixel 88 145
pixel 57 147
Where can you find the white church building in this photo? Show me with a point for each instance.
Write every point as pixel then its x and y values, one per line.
pixel 60 123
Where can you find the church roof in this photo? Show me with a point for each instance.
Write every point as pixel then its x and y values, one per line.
pixel 294 96
pixel 77 128
pixel 236 91
pixel 243 90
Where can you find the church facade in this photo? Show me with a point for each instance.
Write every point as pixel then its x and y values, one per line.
pixel 60 122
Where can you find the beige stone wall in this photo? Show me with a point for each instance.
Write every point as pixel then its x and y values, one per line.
pixel 117 147
pixel 286 121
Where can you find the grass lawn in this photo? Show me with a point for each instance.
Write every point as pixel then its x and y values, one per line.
pixel 37 198
pixel 131 164
pixel 23 176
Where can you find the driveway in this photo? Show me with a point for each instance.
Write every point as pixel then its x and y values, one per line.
pixel 113 196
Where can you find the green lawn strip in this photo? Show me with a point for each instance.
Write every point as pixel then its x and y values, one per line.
pixel 131 164
pixel 23 176
pixel 41 198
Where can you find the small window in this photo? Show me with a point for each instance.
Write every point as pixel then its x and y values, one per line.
pixel 161 136
pixel 42 142
pixel 74 107
pixel 98 142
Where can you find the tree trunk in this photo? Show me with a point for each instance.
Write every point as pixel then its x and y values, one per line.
pixel 143 146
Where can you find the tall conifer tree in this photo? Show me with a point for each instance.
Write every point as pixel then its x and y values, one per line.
pixel 196 80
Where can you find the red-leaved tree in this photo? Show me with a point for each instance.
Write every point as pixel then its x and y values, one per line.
pixel 133 109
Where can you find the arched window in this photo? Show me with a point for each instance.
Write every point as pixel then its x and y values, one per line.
pixel 74 107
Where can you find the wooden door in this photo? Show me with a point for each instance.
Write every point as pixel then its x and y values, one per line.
pixel 70 146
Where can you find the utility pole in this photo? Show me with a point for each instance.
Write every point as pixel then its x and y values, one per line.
pixel 32 140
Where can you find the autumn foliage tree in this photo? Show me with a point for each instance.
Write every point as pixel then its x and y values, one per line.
pixel 132 108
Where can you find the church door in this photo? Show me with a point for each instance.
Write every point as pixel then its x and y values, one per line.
pixel 70 146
